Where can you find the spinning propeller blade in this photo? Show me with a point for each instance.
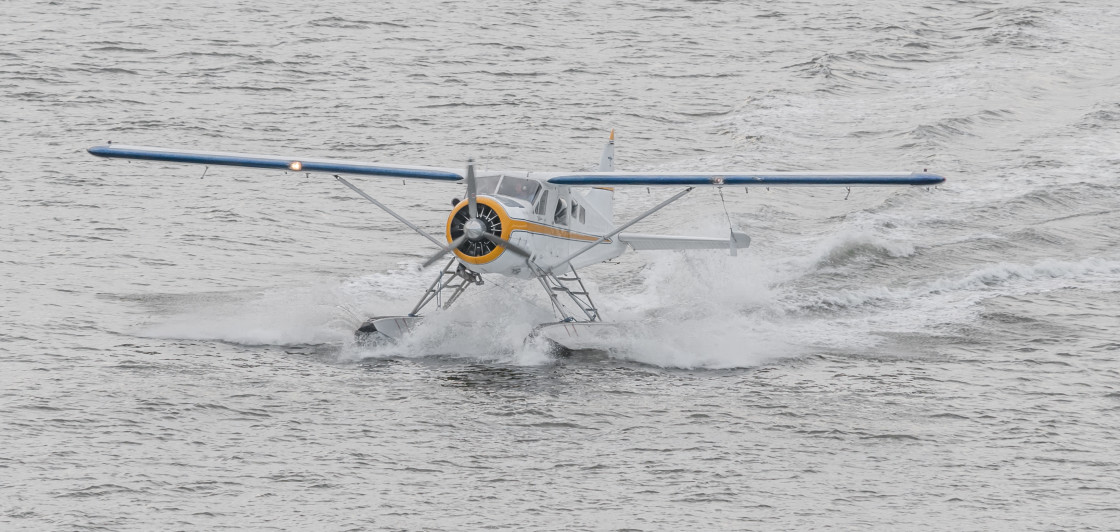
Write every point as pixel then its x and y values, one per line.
pixel 472 190
pixel 506 244
pixel 439 254
pixel 489 236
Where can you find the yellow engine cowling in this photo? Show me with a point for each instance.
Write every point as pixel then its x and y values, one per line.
pixel 496 222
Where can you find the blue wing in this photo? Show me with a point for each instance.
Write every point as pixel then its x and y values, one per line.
pixel 290 163
pixel 768 179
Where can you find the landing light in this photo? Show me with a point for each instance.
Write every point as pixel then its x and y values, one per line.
pixel 295 166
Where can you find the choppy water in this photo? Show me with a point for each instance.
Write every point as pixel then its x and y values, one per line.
pixel 176 351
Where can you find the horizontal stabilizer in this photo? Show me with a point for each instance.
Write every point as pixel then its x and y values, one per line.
pixel 287 163
pixel 767 179
pixel 639 242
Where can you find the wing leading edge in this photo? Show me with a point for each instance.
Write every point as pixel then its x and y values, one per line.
pixel 295 164
pixel 305 164
pixel 769 179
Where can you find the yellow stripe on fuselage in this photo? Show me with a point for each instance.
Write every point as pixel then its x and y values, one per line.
pixel 522 225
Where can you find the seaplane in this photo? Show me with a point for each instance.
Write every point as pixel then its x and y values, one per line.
pixel 537 226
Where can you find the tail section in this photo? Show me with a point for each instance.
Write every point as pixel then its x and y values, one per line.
pixel 602 198
pixel 606 162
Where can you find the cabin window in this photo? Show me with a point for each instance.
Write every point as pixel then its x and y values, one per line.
pixel 582 215
pixel 561 217
pixel 542 204
pixel 522 189
pixel 577 211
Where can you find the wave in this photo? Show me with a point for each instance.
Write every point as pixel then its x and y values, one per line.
pixel 1106 116
pixel 1006 273
pixel 851 246
pixel 342 23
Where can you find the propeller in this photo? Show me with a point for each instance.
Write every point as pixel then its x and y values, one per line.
pixel 447 249
pixel 506 244
pixel 472 190
pixel 474 229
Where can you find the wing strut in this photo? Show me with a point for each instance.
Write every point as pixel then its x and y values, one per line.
pixel 622 228
pixel 390 211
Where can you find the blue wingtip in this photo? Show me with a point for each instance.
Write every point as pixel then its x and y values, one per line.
pixel 927 179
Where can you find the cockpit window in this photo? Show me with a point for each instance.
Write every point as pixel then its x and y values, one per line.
pixel 522 189
pixel 487 184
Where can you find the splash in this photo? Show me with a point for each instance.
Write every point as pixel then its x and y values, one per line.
pixel 692 310
pixel 702 309
pixel 322 313
pixel 285 316
pixel 494 326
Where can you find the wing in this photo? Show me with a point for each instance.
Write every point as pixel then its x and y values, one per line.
pixel 766 179
pixel 289 163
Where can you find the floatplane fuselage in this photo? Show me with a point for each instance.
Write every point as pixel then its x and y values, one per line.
pixel 542 226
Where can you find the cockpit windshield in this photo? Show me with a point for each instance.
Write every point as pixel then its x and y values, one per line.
pixel 487 184
pixel 522 189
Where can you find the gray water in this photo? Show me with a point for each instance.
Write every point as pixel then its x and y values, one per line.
pixel 176 349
